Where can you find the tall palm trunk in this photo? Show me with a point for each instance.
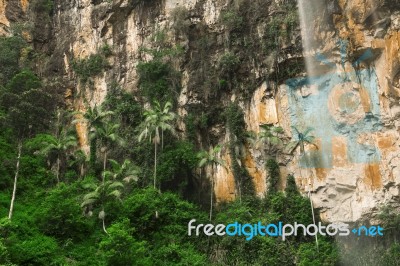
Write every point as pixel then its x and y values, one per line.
pixel 58 170
pixel 104 165
pixel 103 221
pixel 162 140
pixel 81 171
pixel 15 181
pixel 309 194
pixel 93 151
pixel 155 163
pixel 103 176
pixel 211 197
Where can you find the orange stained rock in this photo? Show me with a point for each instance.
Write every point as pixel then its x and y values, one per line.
pixel 339 150
pixel 386 142
pixel 224 186
pixel 365 100
pixel 257 176
pixel 24 5
pixel 3 19
pixel 373 177
pixel 81 127
pixel 81 130
pixel 391 46
pixel 321 173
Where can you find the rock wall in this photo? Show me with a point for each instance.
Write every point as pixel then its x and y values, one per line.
pixel 354 108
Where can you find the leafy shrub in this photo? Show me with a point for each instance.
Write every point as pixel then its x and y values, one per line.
pixel 327 254
pixel 392 256
pixel 60 214
pixel 89 67
pixel 231 20
pixel 154 81
pixel 180 17
pixel 176 164
pixel 274 176
pixel 106 50
pixel 10 52
pixel 45 6
pixel 35 250
pixel 229 62
pixel 120 248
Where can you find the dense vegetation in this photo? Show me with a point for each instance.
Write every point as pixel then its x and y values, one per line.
pixel 129 198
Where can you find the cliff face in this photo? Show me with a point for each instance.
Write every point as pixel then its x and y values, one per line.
pixel 250 53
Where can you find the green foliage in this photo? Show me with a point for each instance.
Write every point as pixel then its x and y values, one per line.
pixel 10 52
pixel 176 164
pixel 126 110
pixel 158 79
pixel 392 256
pixel 7 157
pixel 231 20
pixel 96 118
pixel 89 67
pixel 181 22
pixel 390 217
pixel 120 248
pixel 281 25
pixel 274 176
pixel 145 227
pixel 154 80
pixel 194 124
pixel 236 127
pixel 35 250
pixel 301 139
pixel 327 254
pixel 229 62
pixel 106 50
pixel 28 106
pixel 60 215
pixel 235 121
pixel 291 187
pixel 111 188
pixel 43 6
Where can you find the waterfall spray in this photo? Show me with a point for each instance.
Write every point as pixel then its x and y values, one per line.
pixel 311 23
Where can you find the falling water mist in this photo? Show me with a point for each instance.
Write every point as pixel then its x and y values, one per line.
pixel 314 17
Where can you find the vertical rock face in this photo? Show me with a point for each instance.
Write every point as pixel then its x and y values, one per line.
pixel 4 23
pixel 352 105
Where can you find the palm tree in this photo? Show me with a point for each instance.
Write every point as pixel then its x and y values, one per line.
pixel 271 134
pixel 58 146
pixel 210 158
pixel 107 134
pixel 126 171
pixel 301 140
pixel 112 188
pixel 79 160
pixel 157 121
pixel 95 118
pixel 268 138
